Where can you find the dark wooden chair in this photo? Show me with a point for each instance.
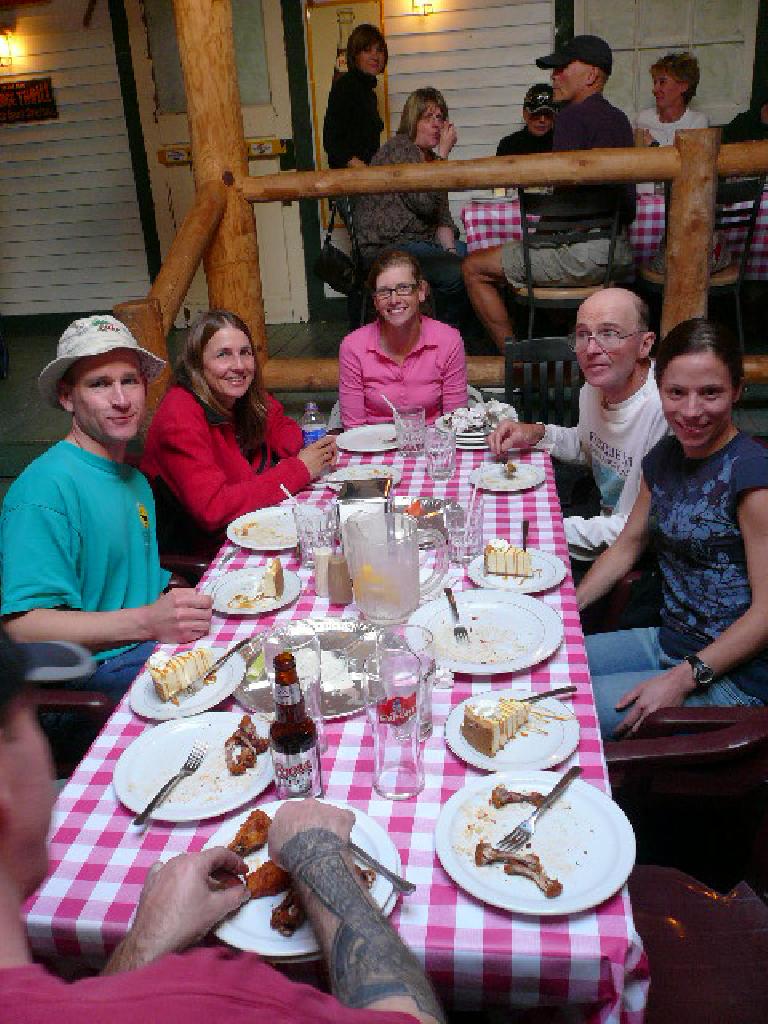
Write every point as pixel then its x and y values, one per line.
pixel 564 217
pixel 542 380
pixel 737 204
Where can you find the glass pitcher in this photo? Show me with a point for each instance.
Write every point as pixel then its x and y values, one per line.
pixel 384 551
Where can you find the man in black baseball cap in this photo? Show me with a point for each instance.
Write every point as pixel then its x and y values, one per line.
pixel 539 118
pixel 585 120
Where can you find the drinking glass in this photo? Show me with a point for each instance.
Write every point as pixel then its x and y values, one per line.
pixel 391 684
pixel 465 535
pixel 440 449
pixel 301 640
pixel 315 527
pixel 410 426
pixel 419 641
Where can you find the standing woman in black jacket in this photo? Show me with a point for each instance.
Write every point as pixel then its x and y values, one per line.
pixel 352 126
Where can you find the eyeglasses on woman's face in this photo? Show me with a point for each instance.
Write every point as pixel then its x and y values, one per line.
pixel 432 114
pixel 402 290
pixel 608 338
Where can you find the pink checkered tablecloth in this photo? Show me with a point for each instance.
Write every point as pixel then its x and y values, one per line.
pixel 493 223
pixel 475 954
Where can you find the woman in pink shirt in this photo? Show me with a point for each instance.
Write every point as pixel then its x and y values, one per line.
pixel 410 358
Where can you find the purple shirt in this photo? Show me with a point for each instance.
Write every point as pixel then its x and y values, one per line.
pixel 432 376
pixel 594 123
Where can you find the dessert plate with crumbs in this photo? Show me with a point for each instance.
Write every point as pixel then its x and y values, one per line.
pixel 159 753
pixel 548 736
pixel 584 841
pixel 338 477
pixel 493 476
pixel 249 928
pixel 145 702
pixel 507 632
pixel 239 592
pixel 267 529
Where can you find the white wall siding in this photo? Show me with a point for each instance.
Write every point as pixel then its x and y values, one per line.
pixel 70 234
pixel 479 54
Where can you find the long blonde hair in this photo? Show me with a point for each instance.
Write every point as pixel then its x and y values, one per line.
pixel 250 411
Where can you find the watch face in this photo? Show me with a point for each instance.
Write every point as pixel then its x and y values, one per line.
pixel 703 675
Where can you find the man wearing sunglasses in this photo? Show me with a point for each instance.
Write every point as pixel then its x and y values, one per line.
pixel 620 417
pixel 539 118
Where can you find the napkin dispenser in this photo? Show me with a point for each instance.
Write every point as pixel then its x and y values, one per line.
pixel 369 495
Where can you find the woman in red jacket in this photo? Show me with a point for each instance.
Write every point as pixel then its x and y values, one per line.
pixel 220 446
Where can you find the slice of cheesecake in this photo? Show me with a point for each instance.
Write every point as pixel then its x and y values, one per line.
pixel 500 558
pixel 489 725
pixel 173 675
pixel 273 582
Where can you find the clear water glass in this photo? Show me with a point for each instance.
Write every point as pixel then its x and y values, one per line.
pixel 315 527
pixel 440 450
pixel 392 696
pixel 410 426
pixel 465 535
pixel 417 640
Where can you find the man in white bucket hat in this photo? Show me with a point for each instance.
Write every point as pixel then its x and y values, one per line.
pixel 77 531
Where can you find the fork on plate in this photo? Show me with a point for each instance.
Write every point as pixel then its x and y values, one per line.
pixel 194 759
pixel 524 831
pixel 459 631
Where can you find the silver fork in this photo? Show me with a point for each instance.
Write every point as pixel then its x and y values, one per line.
pixel 194 760
pixel 524 831
pixel 459 631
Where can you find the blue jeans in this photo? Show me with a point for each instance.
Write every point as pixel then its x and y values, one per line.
pixel 620 661
pixel 115 675
pixel 443 272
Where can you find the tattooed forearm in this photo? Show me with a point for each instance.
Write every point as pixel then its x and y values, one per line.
pixel 368 962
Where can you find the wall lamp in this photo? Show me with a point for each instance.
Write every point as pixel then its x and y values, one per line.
pixel 6 48
pixel 419 7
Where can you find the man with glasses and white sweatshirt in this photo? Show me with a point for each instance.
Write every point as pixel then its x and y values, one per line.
pixel 620 417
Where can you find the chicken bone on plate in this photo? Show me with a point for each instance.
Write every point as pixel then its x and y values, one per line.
pixel 583 841
pixel 477 419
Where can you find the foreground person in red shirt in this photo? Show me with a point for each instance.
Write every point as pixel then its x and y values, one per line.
pixel 370 969
pixel 220 446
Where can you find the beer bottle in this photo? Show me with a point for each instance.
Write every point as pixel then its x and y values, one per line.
pixel 293 736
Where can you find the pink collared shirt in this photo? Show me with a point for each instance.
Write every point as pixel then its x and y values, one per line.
pixel 433 376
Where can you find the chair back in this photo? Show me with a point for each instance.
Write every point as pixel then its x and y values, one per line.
pixel 542 380
pixel 737 204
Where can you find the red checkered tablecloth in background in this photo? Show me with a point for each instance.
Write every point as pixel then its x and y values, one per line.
pixel 476 955
pixel 493 223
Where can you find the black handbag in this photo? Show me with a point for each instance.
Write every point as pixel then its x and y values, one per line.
pixel 333 265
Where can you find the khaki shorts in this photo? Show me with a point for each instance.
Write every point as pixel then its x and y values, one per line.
pixel 574 266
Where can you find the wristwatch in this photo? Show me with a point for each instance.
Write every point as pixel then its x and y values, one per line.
pixel 703 675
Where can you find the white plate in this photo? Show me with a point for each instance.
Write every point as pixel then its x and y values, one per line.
pixel 145 702
pixel 269 529
pixel 584 840
pixel 475 445
pixel 550 737
pixel 515 631
pixel 339 476
pixel 156 755
pixel 548 571
pixel 376 437
pixel 248 581
pixel 507 412
pixel 249 928
pixel 491 477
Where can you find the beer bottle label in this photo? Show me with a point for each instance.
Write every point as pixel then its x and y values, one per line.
pixel 297 775
pixel 397 710
pixel 287 694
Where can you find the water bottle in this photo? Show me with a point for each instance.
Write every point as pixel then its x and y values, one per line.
pixel 314 425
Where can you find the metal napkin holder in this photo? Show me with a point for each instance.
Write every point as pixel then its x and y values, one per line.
pixel 369 495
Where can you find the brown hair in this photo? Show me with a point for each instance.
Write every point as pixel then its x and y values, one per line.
pixel 701 335
pixel 250 411
pixel 393 258
pixel 414 109
pixel 360 39
pixel 683 67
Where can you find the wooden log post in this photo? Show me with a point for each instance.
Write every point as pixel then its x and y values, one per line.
pixel 187 249
pixel 144 320
pixel 206 47
pixel 689 232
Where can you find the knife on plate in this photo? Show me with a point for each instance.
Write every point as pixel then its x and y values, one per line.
pixel 400 884
pixel 197 684
pixel 547 693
